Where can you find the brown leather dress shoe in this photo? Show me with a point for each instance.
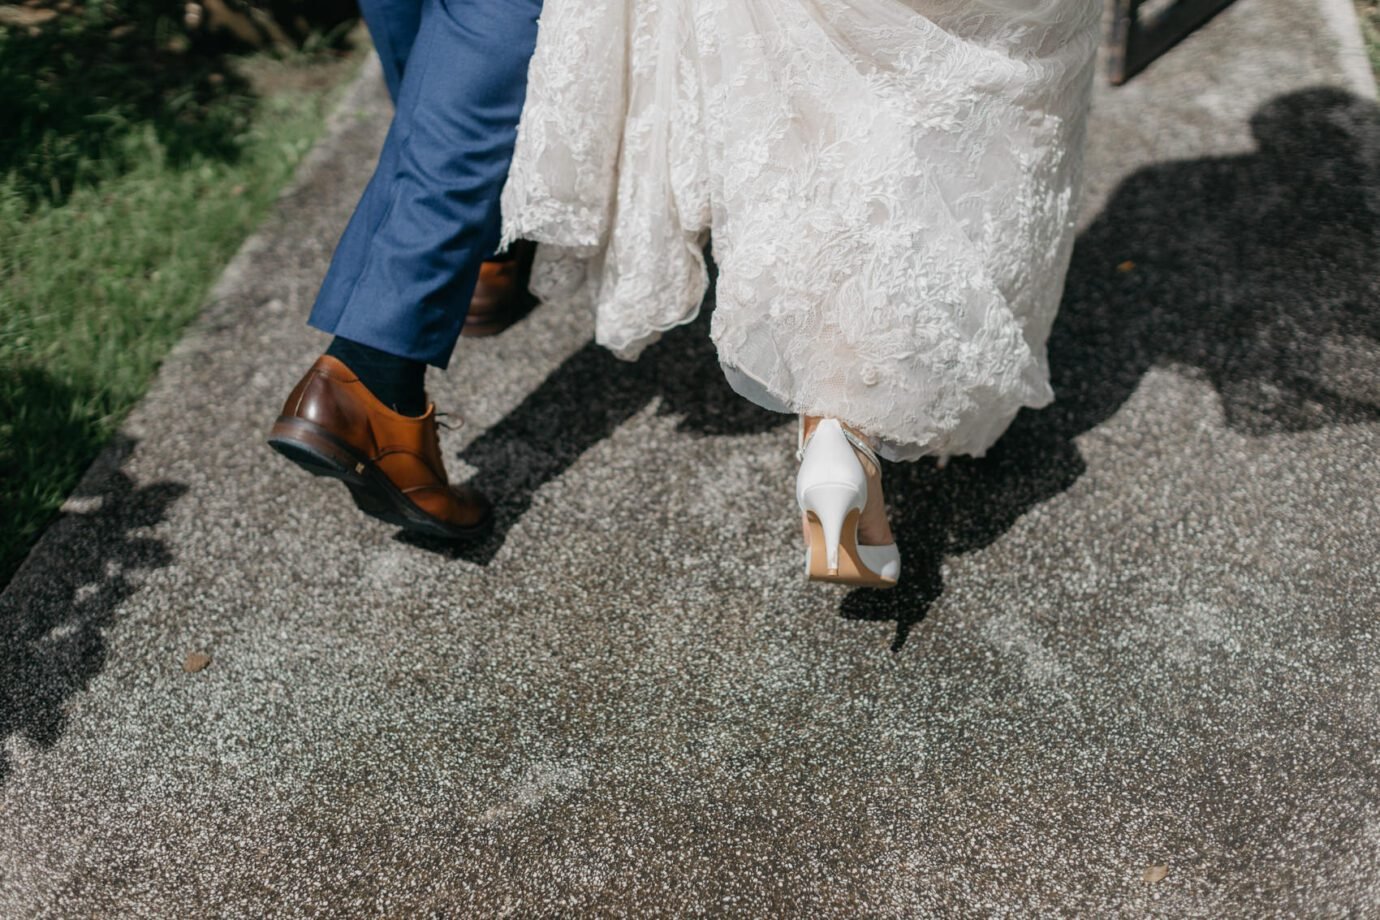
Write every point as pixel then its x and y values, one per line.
pixel 501 297
pixel 333 426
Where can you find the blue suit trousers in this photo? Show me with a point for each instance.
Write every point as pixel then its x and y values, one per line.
pixel 405 269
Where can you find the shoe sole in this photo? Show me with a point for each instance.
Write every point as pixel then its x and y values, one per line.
pixel 321 453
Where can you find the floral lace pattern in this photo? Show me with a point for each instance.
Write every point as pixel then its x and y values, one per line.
pixel 891 188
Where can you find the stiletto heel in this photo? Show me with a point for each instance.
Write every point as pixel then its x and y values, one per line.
pixel 830 506
pixel 831 489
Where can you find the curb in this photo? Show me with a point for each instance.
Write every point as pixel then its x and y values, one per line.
pixel 1345 26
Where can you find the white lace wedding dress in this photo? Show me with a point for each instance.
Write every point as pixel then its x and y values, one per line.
pixel 891 187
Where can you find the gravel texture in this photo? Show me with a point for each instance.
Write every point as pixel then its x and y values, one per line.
pixel 1142 632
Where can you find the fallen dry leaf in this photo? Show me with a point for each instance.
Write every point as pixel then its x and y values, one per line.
pixel 195 662
pixel 1155 873
pixel 1125 266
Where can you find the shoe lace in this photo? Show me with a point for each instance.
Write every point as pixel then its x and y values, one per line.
pixel 436 439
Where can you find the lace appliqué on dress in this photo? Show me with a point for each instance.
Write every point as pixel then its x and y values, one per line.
pixel 891 187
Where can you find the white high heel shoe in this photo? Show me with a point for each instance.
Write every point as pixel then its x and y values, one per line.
pixel 831 488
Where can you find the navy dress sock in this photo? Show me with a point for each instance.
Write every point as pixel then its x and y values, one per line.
pixel 399 383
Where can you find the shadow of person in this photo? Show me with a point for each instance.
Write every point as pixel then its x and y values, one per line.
pixel 53 621
pixel 584 401
pixel 1255 273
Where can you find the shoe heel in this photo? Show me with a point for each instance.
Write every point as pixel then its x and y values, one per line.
pixel 831 506
pixel 832 489
pixel 316 450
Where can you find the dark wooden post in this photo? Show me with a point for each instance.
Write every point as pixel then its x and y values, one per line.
pixel 1137 38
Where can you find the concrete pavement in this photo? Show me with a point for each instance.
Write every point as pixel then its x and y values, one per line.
pixel 1142 632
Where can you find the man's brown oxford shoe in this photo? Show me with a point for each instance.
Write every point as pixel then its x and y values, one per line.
pixel 333 426
pixel 500 296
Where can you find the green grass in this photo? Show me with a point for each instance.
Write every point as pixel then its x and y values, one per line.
pixel 115 219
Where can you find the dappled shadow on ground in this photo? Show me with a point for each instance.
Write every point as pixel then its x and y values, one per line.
pixel 1254 272
pixel 53 630
pixel 83 91
pixel 93 90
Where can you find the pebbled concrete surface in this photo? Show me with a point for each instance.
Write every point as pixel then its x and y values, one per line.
pixel 1142 632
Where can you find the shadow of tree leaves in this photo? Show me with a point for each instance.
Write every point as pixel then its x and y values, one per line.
pixel 54 625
